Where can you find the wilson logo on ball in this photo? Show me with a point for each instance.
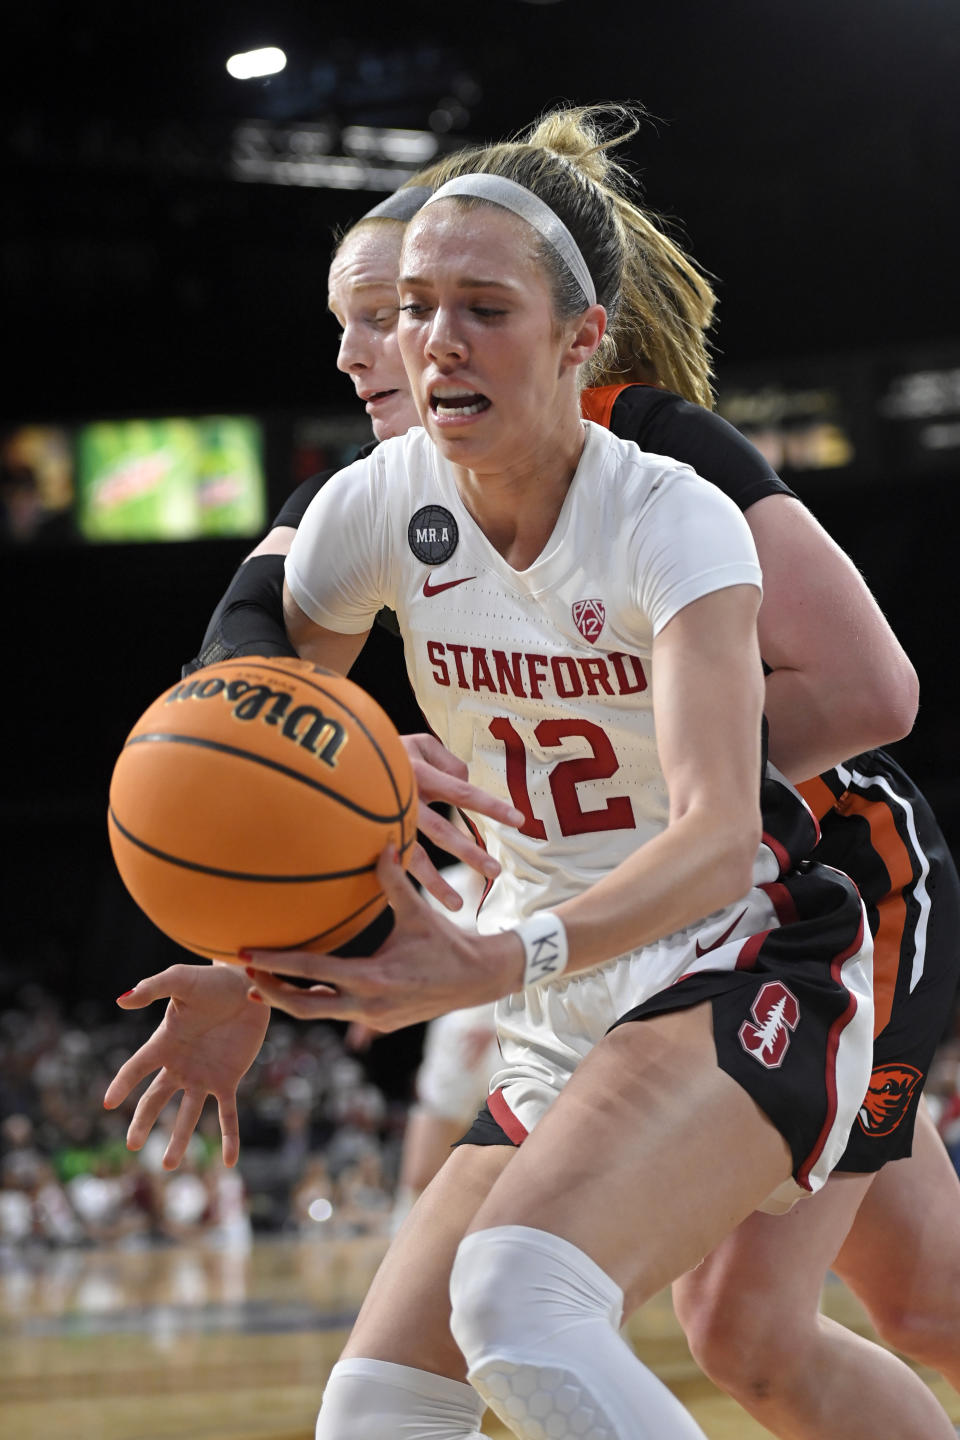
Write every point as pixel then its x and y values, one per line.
pixel 305 725
pixel 227 831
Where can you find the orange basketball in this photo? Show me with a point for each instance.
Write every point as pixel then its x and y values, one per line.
pixel 251 802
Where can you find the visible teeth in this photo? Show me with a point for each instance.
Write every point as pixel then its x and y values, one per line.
pixel 459 404
pixel 462 409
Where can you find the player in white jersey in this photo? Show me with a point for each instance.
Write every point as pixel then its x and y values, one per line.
pixel 607 641
pixel 678 385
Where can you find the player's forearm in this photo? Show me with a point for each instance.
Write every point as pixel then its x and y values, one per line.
pixel 249 617
pixel 697 865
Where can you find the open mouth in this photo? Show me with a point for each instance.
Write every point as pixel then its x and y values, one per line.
pixel 458 404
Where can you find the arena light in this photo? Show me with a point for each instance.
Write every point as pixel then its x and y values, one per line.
pixel 400 146
pixel 251 63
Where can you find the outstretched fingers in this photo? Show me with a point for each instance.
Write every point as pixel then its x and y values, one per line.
pixel 188 1117
pixel 401 895
pixel 128 1077
pixel 162 986
pixel 153 1100
pixel 442 776
pixel 229 1129
pixel 422 868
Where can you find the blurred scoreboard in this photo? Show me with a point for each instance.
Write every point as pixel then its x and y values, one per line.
pixel 871 417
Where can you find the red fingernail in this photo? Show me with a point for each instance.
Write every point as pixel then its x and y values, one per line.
pixel 126 993
pixel 243 954
pixel 256 996
pixel 251 972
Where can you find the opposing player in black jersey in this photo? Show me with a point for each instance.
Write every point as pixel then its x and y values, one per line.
pixel 660 421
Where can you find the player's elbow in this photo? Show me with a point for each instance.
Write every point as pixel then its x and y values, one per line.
pixel 885 709
pixel 903 700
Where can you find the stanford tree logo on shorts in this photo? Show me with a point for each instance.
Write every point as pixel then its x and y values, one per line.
pixel 775 1011
pixel 588 616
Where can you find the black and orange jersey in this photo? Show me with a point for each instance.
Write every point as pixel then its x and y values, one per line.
pixel 665 424
pixel 876 826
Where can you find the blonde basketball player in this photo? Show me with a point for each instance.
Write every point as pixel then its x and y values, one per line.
pixel 594 659
pixel 786 1259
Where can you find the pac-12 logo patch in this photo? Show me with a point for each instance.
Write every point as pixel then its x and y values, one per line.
pixel 588 616
pixel 776 1012
pixel 888 1098
pixel 433 535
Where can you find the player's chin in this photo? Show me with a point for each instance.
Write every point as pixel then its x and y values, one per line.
pixel 462 442
pixel 399 415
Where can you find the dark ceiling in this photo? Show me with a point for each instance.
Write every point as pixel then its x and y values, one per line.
pixel 810 153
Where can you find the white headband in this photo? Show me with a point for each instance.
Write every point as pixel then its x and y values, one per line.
pixel 531 208
pixel 403 204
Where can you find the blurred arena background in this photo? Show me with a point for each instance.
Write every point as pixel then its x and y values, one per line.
pixel 165 241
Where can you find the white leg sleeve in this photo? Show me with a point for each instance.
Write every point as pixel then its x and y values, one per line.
pixel 374 1400
pixel 538 1323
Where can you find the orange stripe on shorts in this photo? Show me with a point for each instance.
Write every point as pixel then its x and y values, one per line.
pixel 892 909
pixel 818 796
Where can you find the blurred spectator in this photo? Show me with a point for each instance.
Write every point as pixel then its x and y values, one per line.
pixel 320 1144
pixel 311 1122
pixel 109 1198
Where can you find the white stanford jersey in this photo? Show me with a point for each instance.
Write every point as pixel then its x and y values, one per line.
pixel 539 679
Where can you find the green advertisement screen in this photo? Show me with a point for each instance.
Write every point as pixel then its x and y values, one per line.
pixel 171 479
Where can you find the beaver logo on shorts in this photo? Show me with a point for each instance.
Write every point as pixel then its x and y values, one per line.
pixel 775 1011
pixel 888 1098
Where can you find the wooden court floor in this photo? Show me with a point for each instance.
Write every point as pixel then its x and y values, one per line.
pixel 235 1343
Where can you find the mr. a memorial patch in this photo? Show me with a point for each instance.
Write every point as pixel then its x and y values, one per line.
pixel 433 535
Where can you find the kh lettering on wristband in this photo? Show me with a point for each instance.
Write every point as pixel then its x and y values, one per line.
pixel 544 947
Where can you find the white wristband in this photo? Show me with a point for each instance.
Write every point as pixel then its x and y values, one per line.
pixel 544 947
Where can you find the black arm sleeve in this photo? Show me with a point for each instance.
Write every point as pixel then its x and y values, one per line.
pixel 295 506
pixel 249 618
pixel 665 424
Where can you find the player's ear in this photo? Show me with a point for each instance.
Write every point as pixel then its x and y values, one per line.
pixel 588 330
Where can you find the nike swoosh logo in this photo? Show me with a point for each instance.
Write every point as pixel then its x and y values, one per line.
pixel 705 949
pixel 429 589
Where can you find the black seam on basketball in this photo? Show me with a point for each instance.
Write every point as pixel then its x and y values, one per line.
pixel 238 874
pixel 201 743
pixel 314 685
pixel 297 944
pixel 378 899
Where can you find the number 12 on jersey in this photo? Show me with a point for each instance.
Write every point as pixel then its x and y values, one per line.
pixel 615 814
